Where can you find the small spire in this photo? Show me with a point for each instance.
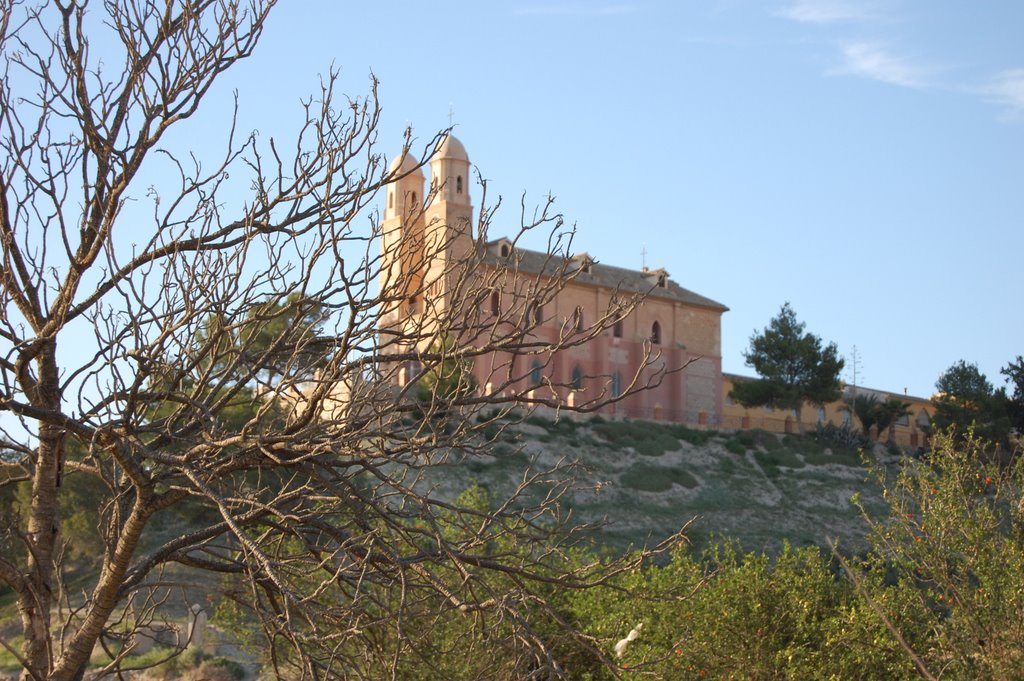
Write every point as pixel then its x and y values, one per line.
pixel 451 115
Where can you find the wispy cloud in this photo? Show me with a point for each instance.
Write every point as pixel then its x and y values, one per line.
pixel 1007 90
pixel 826 11
pixel 576 9
pixel 870 60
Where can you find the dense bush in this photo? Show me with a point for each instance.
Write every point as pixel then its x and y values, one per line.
pixel 939 593
pixel 656 478
pixel 648 439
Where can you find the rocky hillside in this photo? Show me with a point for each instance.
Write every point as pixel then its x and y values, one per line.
pixel 646 480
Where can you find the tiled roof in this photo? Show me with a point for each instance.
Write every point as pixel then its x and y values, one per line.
pixel 605 276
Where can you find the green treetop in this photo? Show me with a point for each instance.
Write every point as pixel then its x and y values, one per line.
pixel 793 366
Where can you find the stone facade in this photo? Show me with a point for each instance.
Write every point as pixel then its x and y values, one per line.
pixel 428 229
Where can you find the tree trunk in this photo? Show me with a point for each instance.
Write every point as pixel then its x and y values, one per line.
pixel 36 600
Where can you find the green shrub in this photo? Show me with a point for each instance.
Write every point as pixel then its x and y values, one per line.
pixel 656 445
pixel 844 436
pixel 722 615
pixel 502 449
pixel 683 478
pixel 766 440
pixel 646 479
pixel 539 421
pixel 564 426
pixel 736 447
pixel 954 537
pixel 648 439
pixel 656 478
pixel 772 461
pixel 842 456
pixel 231 669
pixel 693 436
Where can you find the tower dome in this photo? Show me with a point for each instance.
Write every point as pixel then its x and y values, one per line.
pixel 405 163
pixel 451 148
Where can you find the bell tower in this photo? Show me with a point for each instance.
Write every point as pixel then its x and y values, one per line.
pixel 449 216
pixel 403 242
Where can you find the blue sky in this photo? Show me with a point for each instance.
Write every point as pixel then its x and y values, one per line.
pixel 862 160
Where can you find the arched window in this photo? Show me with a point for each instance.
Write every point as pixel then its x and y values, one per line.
pixel 617 328
pixel 495 308
pixel 391 199
pixel 413 197
pixel 458 184
pixel 656 333
pixel 504 250
pixel 535 374
pixel 821 414
pixel 577 378
pixel 616 385
pixel 578 319
pixel 923 420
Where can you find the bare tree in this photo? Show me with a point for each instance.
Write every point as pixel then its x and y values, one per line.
pixel 238 409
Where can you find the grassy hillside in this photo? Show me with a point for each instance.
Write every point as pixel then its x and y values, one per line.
pixel 648 479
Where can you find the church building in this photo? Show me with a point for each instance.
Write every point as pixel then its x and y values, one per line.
pixel 427 236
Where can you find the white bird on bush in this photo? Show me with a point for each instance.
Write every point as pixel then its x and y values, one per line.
pixel 634 634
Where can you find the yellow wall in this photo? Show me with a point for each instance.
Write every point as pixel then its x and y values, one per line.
pixel 909 434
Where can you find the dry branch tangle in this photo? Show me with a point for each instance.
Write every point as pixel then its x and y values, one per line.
pixel 203 309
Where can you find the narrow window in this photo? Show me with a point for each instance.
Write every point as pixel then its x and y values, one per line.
pixel 538 314
pixel 617 329
pixel 656 333
pixel 821 414
pixel 413 200
pixel 577 379
pixel 458 184
pixel 578 319
pixel 535 374
pixel 494 303
pixel 391 199
pixel 616 385
pixel 504 250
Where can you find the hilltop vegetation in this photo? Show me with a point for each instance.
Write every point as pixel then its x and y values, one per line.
pixel 925 582
pixel 642 481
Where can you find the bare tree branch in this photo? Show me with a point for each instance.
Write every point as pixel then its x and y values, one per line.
pixel 253 375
